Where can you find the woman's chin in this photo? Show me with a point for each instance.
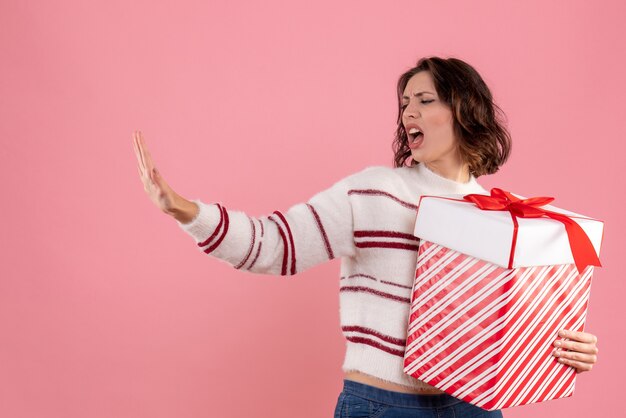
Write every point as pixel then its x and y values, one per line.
pixel 417 155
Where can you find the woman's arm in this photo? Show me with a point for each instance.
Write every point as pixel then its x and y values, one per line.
pixel 283 243
pixel 184 211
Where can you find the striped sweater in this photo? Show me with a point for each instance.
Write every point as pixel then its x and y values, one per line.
pixel 367 219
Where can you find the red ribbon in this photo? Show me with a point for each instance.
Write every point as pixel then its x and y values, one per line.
pixel 582 249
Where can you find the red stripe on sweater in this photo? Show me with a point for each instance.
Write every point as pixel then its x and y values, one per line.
pixel 364 330
pixel 329 250
pixel 217 229
pixel 251 247
pixel 375 292
pixel 258 251
pixel 376 344
pixel 388 234
pixel 291 242
pixel 223 234
pixel 283 271
pixel 393 245
pixel 367 276
pixel 376 192
pixel 397 284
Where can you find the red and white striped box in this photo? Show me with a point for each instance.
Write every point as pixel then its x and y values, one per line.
pixel 492 289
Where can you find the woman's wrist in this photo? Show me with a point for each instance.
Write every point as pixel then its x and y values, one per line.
pixel 184 210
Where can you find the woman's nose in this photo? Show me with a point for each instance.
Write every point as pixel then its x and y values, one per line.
pixel 411 110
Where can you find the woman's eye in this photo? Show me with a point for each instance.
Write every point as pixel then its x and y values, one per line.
pixel 421 101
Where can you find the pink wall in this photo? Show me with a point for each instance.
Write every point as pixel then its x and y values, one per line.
pixel 107 309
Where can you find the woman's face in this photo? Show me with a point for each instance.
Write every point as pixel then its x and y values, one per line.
pixel 422 109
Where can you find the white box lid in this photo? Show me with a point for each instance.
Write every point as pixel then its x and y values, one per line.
pixel 488 234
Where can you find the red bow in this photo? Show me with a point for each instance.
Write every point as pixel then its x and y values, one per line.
pixel 582 250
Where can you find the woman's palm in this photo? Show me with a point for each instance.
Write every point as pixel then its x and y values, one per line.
pixel 157 189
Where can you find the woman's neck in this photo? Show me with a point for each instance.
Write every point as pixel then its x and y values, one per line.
pixel 459 174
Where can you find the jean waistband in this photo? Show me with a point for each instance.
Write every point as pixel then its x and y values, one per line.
pixel 399 398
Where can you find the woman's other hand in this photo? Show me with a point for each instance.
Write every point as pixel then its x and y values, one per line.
pixel 161 194
pixel 576 349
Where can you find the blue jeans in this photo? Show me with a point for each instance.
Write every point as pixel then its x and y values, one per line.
pixel 361 400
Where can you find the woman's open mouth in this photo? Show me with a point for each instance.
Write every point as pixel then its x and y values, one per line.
pixel 415 140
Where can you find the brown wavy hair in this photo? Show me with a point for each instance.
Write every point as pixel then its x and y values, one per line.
pixel 484 142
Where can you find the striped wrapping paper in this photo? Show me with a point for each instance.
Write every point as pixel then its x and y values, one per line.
pixel 484 333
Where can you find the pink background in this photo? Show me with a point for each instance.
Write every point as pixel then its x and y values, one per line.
pixel 107 309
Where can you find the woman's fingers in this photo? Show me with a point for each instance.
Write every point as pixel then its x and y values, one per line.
pixel 579 336
pixel 581 361
pixel 147 177
pixel 145 155
pixel 580 366
pixel 141 161
pixel 153 176
pixel 154 185
pixel 577 349
pixel 578 341
pixel 575 355
pixel 577 346
pixel 138 152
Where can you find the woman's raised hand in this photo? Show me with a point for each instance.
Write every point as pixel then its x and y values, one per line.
pixel 155 186
pixel 157 189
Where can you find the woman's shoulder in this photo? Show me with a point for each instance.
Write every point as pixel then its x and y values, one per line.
pixel 389 175
pixel 374 175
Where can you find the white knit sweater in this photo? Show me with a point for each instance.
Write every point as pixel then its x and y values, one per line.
pixel 367 219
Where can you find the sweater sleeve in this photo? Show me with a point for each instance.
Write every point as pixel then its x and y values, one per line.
pixel 283 243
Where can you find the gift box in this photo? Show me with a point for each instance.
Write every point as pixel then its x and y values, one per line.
pixel 496 278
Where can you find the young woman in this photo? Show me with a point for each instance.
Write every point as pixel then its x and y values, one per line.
pixel 448 127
